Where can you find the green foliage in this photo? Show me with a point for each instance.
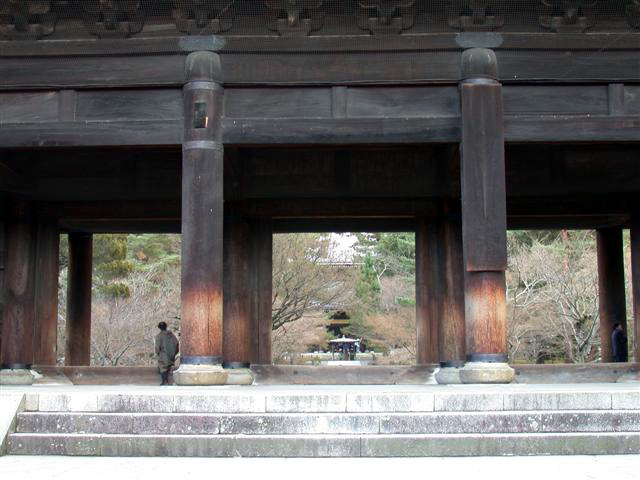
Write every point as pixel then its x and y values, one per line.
pixel 367 287
pixel 156 251
pixel 110 265
pixel 393 253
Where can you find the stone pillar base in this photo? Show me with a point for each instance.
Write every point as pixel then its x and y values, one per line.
pixel 200 375
pixel 485 372
pixel 17 376
pixel 448 375
pixel 240 376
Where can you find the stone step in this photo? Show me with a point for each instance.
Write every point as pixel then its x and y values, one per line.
pixel 433 399
pixel 324 445
pixel 331 423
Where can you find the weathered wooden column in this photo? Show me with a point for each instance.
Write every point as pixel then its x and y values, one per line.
pixel 451 326
pixel 3 260
pixel 635 286
pixel 45 333
pixel 78 327
pixel 19 305
pixel 202 224
pixel 611 293
pixel 237 324
pixel 261 284
pixel 484 224
pixel 429 290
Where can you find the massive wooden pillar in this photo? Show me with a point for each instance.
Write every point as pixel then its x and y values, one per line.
pixel 611 292
pixel 261 284
pixel 429 290
pixel 20 275
pixel 78 327
pixel 635 285
pixel 483 219
pixel 3 260
pixel 440 296
pixel 237 292
pixel 45 334
pixel 451 329
pixel 202 223
pixel 247 292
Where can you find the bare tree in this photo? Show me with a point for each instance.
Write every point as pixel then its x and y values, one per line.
pixel 553 299
pixel 123 329
pixel 304 278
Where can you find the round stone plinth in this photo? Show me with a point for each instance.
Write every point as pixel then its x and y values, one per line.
pixel 17 376
pixel 200 375
pixel 485 372
pixel 239 376
pixel 448 375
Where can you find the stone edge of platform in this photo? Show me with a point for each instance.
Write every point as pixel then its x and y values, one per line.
pixel 10 405
pixel 332 402
pixel 326 445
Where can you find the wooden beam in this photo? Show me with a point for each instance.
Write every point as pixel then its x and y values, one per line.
pixel 306 131
pixel 13 182
pixel 78 326
pixel 270 44
pixel 342 225
pixel 611 288
pixel 331 67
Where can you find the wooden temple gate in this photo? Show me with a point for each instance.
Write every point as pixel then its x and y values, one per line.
pixel 216 127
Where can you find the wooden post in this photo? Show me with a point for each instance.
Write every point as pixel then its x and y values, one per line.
pixel 611 293
pixel 45 335
pixel 261 295
pixel 484 223
pixel 78 328
pixel 451 329
pixel 19 311
pixel 3 260
pixel 237 293
pixel 428 291
pixel 635 285
pixel 202 222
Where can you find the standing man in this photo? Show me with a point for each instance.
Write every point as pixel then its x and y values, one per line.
pixel 619 344
pixel 166 350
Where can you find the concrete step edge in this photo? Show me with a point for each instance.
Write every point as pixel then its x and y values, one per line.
pixel 325 445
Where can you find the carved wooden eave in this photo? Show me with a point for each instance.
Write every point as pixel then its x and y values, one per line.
pixel 104 19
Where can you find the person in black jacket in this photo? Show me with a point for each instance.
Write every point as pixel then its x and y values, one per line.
pixel 619 344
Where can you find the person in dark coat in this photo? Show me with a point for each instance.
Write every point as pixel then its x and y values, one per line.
pixel 619 344
pixel 166 350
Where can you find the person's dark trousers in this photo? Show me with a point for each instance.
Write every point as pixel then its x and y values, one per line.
pixel 165 377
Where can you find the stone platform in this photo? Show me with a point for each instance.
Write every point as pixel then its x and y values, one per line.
pixel 328 421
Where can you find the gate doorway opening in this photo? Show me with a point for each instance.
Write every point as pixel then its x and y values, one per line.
pixel 359 287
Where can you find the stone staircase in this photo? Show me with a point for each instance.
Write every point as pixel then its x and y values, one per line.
pixel 250 422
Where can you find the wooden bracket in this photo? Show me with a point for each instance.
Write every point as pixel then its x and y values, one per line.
pixel 113 18
pixel 26 19
pixel 202 17
pixel 575 15
pixel 296 17
pixel 386 16
pixel 476 16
